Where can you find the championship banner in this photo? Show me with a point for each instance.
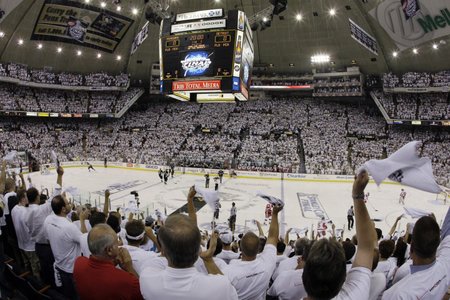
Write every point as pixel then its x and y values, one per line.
pixel 362 37
pixel 410 23
pixel 140 38
pixel 410 8
pixel 77 23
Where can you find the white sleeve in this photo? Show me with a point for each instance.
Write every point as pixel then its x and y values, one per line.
pixel 356 285
pixel 74 233
pixel 274 289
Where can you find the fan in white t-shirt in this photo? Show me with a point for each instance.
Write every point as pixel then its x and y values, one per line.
pixel 64 238
pixel 289 283
pixel 251 274
pixel 325 276
pixel 180 242
pixel 227 254
pixel 94 219
pixel 291 263
pixel 135 236
pixel 386 264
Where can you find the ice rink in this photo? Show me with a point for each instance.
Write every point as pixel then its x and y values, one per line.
pixel 333 199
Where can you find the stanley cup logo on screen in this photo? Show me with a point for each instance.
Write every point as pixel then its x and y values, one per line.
pixel 196 63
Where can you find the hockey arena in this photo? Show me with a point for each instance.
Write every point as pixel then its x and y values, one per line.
pixel 225 149
pixel 331 196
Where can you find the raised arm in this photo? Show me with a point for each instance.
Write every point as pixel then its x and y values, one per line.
pixel 3 177
pixel 260 230
pixel 152 237
pixel 391 232
pixel 207 256
pixel 274 226
pixel 60 172
pixel 84 215
pixel 125 262
pixel 286 237
pixel 365 231
pixel 106 204
pixel 190 205
pixel 23 185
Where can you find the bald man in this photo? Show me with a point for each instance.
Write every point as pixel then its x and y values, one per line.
pixel 97 277
pixel 251 275
pixel 180 244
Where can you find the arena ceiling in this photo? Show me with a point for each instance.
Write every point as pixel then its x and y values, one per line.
pixel 286 42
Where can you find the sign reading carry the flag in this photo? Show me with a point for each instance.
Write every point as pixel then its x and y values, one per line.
pixel 405 167
pixel 81 24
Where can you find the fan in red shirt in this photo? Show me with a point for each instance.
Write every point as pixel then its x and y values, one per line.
pixel 97 277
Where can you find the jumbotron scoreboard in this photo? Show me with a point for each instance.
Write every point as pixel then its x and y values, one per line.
pixel 206 56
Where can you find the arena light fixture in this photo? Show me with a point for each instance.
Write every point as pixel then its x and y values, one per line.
pixel 395 54
pixel 118 8
pixel 103 4
pixel 298 17
pixel 134 11
pixel 79 52
pixel 119 57
pixel 20 42
pixel 320 58
pixel 332 12
pixel 39 46
pixel 435 46
pixel 2 34
pixel 415 51
pixel 99 55
pixel 59 49
pixel 87 1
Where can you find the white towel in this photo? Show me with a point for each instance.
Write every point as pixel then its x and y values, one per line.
pixel 72 190
pixel 210 197
pixel 415 212
pixel 54 157
pixel 270 199
pixel 405 167
pixel 10 156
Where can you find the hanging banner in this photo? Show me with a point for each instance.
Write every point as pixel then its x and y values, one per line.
pixel 362 37
pixel 140 38
pixel 81 24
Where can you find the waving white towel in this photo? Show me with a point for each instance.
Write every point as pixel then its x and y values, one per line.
pixel 405 167
pixel 270 199
pixel 210 197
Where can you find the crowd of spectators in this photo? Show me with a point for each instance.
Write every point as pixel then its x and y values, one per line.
pixel 421 106
pixel 417 80
pixel 47 76
pixel 19 98
pixel 271 134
